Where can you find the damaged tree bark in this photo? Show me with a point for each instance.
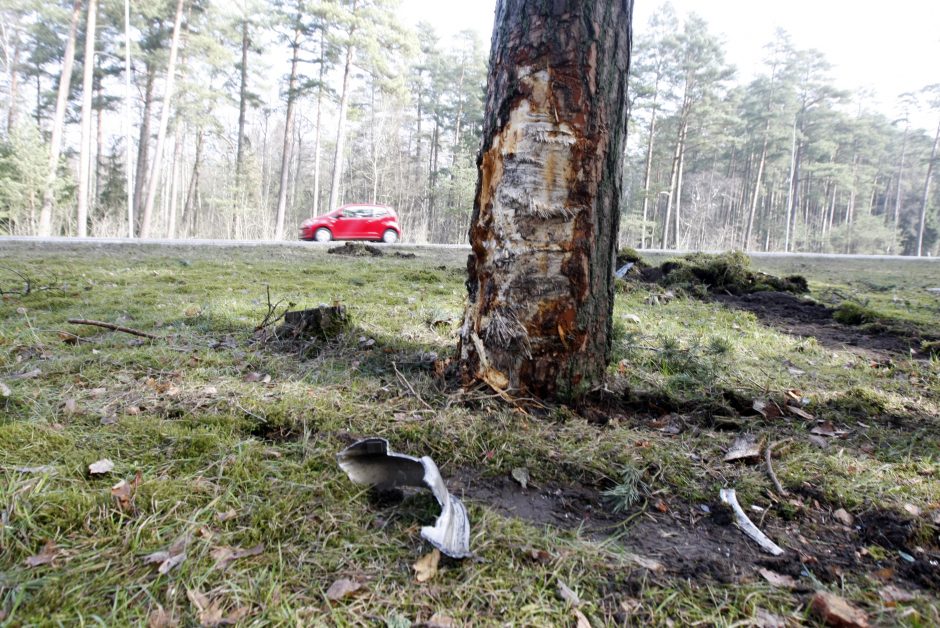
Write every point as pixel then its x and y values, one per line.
pixel 545 215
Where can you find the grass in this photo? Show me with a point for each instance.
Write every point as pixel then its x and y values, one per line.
pixel 230 458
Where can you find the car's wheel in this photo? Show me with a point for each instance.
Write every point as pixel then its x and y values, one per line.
pixel 322 235
pixel 390 236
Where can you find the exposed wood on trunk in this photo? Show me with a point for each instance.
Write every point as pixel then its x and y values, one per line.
pixel 58 123
pixel 545 216
pixel 153 184
pixel 84 168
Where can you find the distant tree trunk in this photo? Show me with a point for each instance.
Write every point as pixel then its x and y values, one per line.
pixel 673 176
pixel 899 196
pixel 84 170
pixel 288 138
pixel 648 167
pixel 127 118
pixel 154 182
pixel 791 190
pixel 757 182
pixel 341 123
pixel 189 206
pixel 99 147
pixel 175 180
pixel 14 85
pixel 58 123
pixel 545 215
pixel 143 142
pixel 316 131
pixel 926 198
pixel 242 105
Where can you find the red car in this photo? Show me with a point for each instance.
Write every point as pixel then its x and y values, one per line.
pixel 357 221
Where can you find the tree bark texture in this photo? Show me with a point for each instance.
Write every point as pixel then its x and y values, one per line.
pixel 287 146
pixel 926 199
pixel 545 216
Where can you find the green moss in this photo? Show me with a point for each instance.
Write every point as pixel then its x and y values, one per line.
pixel 851 313
pixel 725 272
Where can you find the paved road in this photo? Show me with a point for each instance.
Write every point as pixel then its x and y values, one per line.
pixel 52 242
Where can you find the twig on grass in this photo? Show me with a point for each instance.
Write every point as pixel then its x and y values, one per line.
pixel 768 453
pixel 112 327
pixel 410 387
pixel 269 317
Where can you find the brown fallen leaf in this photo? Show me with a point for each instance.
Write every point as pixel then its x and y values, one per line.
pixel 835 611
pixel 70 406
pixel 101 467
pixel 912 510
pixel 843 517
pixel 5 390
pixel 257 377
pixel 170 558
pixel 743 448
pixel 582 621
pixel 224 556
pixel 342 588
pixel 565 593
pixel 767 409
pixel 227 515
pixel 123 493
pixel 426 566
pixel 826 428
pixel 440 621
pixel 46 555
pixel 33 374
pixel 766 619
pixel 800 412
pixel 892 594
pixel 160 618
pixel 210 613
pixel 780 580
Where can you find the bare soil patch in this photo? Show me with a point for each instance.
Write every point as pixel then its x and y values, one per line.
pixel 797 317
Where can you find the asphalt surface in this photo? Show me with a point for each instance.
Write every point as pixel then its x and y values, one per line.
pixel 53 242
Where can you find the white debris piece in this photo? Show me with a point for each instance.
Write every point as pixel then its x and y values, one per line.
pixel 747 526
pixel 370 461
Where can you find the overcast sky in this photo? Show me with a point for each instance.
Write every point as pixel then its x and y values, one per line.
pixel 887 47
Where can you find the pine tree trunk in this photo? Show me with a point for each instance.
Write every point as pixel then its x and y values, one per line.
pixel 242 105
pixel 175 182
pixel 288 138
pixel 316 131
pixel 648 168
pixel 545 216
pixel 926 198
pixel 14 85
pixel 84 170
pixel 58 123
pixel 188 207
pixel 897 200
pixel 341 123
pixel 143 142
pixel 757 181
pixel 164 122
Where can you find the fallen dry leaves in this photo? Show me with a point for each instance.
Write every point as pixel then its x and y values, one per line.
pixel 892 594
pixel 426 566
pixel 160 618
pixel 582 621
pixel 568 595
pixel 342 588
pixel 101 467
pixel 123 493
pixel 835 611
pixel 225 556
pixel 46 555
pixel 210 612
pixel 780 580
pixel 170 558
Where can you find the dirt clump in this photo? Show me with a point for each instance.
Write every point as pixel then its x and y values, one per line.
pixel 357 249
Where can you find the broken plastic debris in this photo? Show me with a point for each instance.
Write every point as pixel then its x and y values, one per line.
pixel 747 526
pixel 623 270
pixel 369 461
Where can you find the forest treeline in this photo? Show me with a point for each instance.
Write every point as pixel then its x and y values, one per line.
pixel 240 119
